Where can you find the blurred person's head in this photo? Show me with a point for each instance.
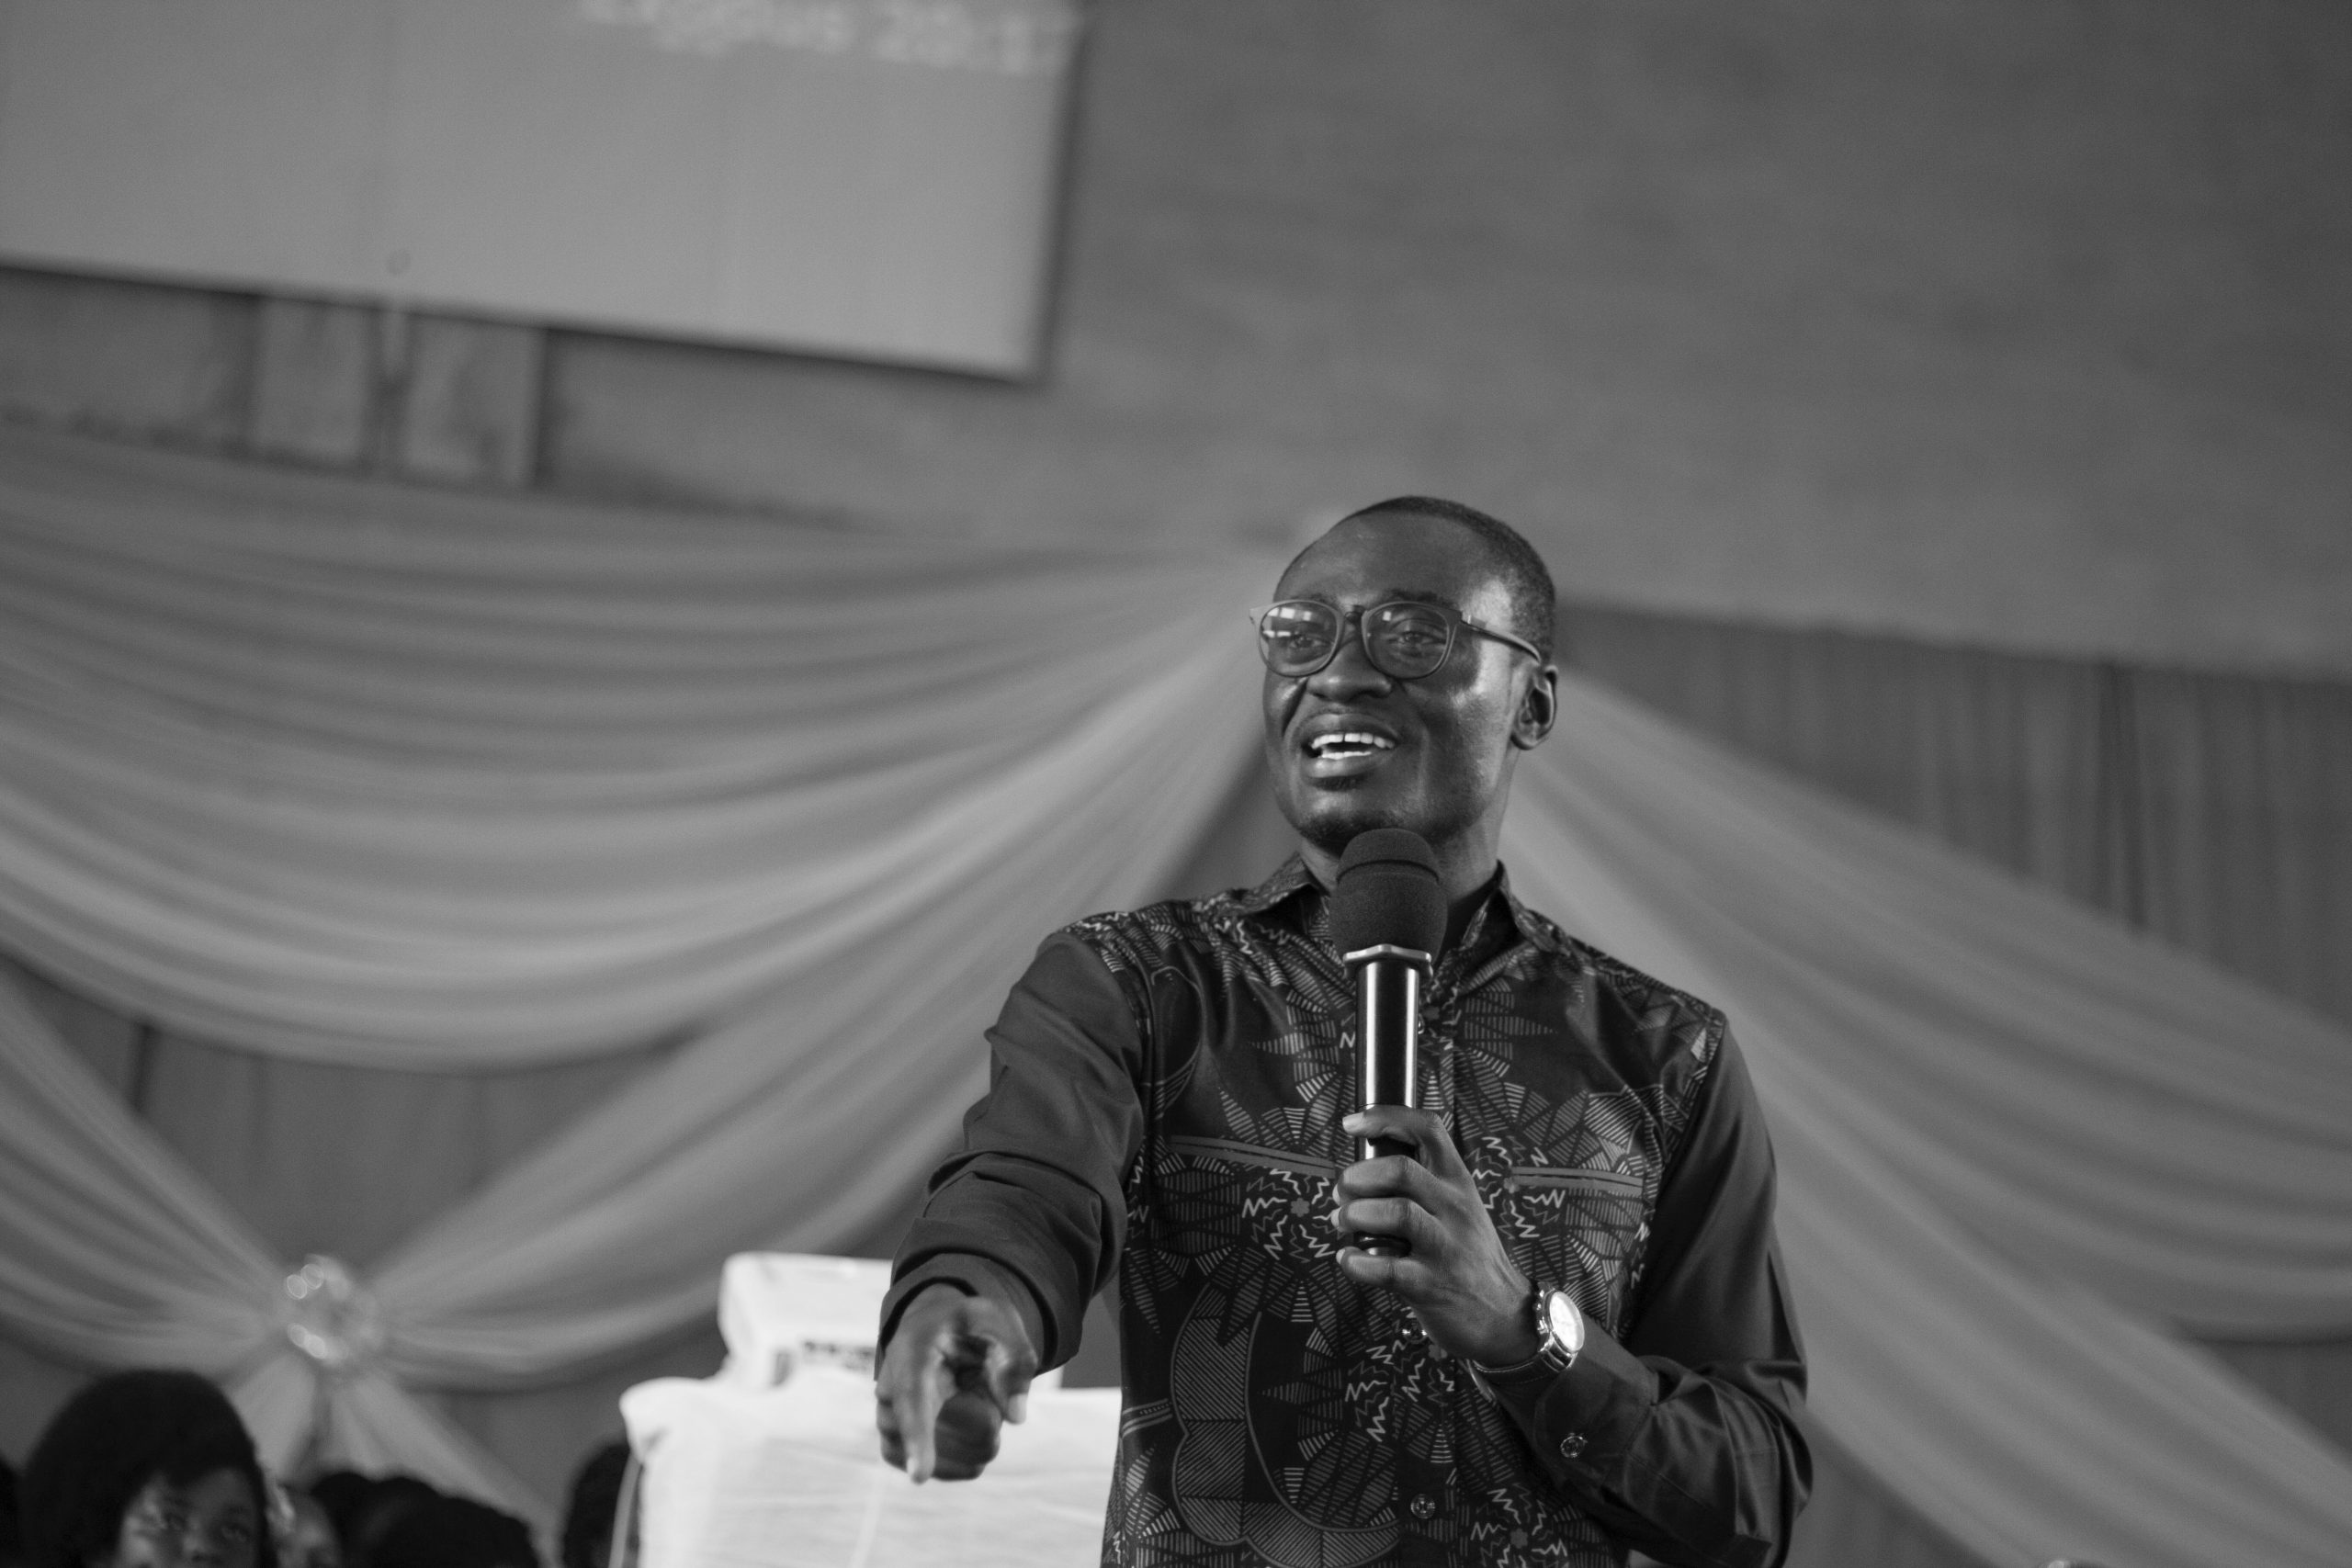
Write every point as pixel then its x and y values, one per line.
pixel 146 1469
pixel 385 1502
pixel 595 1501
pixel 310 1541
pixel 455 1532
pixel 341 1493
pixel 11 1550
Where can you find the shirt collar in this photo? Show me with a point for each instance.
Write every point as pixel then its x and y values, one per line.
pixel 1292 880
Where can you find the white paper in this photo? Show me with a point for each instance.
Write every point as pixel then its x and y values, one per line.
pixel 792 1477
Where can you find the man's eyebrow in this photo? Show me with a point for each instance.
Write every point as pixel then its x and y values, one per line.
pixel 1389 595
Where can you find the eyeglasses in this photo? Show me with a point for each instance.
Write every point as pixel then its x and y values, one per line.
pixel 1405 638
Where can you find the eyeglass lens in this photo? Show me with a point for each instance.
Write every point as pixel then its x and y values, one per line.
pixel 1403 640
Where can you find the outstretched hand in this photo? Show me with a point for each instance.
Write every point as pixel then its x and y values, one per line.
pixel 1470 1297
pixel 958 1369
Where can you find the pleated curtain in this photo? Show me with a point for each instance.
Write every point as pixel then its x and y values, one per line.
pixel 344 772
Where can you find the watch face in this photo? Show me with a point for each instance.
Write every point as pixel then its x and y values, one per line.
pixel 1563 1322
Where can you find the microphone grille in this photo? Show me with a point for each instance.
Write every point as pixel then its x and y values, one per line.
pixel 1387 892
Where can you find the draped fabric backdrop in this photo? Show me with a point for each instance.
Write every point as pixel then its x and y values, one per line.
pixel 2212 809
pixel 352 778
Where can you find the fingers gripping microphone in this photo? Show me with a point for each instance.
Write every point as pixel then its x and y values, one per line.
pixel 1388 921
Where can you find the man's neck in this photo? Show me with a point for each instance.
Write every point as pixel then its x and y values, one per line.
pixel 1468 879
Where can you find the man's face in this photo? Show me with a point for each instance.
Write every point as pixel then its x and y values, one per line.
pixel 1441 747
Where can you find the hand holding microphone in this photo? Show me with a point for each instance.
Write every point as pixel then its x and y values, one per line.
pixel 1388 922
pixel 1413 1219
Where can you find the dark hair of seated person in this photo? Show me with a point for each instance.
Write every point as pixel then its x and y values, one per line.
pixel 596 1503
pixel 343 1494
pixel 385 1501
pixel 109 1442
pixel 11 1548
pixel 456 1532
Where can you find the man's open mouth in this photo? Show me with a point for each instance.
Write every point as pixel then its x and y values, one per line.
pixel 1348 743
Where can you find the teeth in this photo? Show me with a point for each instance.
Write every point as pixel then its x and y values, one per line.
pixel 1350 743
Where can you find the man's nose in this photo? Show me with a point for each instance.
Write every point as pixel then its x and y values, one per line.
pixel 1350 671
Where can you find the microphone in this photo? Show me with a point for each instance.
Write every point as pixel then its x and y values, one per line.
pixel 1388 921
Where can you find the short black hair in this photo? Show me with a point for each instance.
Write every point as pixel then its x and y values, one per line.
pixel 384 1502
pixel 112 1438
pixel 456 1532
pixel 596 1505
pixel 1526 579
pixel 343 1494
pixel 10 1551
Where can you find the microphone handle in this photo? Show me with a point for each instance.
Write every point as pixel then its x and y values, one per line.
pixel 1388 1040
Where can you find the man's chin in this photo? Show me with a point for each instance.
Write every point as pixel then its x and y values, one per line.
pixel 1329 817
pixel 1332 818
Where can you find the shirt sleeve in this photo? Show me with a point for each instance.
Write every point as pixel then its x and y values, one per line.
pixel 1683 1438
pixel 1031 1209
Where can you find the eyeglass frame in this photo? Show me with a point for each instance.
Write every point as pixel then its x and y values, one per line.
pixel 1456 624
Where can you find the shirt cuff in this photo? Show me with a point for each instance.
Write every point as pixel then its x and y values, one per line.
pixel 1581 1422
pixel 975 1276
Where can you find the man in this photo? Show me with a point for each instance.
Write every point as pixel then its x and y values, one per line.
pixel 1589 1347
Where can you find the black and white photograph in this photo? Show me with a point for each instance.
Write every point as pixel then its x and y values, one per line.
pixel 1175 784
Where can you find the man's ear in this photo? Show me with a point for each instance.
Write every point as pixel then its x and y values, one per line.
pixel 1539 709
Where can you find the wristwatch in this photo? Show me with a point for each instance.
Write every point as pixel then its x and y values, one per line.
pixel 1559 1336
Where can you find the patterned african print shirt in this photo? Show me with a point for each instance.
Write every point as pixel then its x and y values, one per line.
pixel 1165 1098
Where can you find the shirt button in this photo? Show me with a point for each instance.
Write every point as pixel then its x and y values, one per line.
pixel 1424 1506
pixel 1572 1446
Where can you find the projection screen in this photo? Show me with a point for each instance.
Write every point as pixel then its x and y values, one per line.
pixel 867 178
